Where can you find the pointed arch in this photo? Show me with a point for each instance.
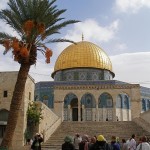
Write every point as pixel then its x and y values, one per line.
pixel 105 100
pixel 88 100
pixel 123 101
pixel 68 98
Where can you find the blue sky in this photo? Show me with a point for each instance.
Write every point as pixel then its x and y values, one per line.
pixel 120 27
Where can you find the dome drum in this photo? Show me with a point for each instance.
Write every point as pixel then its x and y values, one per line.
pixel 83 74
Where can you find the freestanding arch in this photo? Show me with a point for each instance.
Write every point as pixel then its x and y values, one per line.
pixel 105 105
pixel 70 107
pixel 88 104
pixel 123 107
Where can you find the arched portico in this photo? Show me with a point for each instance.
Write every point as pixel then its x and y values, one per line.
pixel 93 105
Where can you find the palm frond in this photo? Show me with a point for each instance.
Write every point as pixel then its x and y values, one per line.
pixel 57 27
pixel 59 40
pixel 4 35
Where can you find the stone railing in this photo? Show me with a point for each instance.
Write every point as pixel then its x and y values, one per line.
pixel 49 123
pixel 143 123
pixel 146 116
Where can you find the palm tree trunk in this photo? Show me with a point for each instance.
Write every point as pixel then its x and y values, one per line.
pixel 15 105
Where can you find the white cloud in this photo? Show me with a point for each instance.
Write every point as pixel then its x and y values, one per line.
pixel 7 29
pixel 92 31
pixel 131 5
pixel 132 67
pixel 3 4
pixel 118 48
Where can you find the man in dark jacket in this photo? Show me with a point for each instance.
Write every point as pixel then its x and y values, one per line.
pixel 38 139
pixel 114 144
pixel 68 145
pixel 100 144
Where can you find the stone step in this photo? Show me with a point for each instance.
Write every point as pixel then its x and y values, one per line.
pixel 121 129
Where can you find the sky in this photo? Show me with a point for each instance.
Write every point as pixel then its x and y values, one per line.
pixel 120 27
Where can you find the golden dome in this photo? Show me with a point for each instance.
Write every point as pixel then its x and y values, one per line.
pixel 83 55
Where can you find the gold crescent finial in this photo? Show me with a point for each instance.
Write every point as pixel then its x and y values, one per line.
pixel 82 37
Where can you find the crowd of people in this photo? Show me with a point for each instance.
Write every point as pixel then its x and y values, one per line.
pixel 100 143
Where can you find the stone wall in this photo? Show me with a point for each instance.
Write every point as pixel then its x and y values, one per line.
pixel 7 82
pixel 49 123
pixel 143 120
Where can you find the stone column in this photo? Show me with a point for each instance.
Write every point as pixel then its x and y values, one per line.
pixel 114 110
pixel 79 112
pixel 97 113
pixel 69 113
pixel 83 113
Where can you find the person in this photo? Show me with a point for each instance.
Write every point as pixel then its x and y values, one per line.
pixel 83 145
pixel 132 143
pixel 100 144
pixel 144 144
pixel 114 144
pixel 117 140
pixel 92 141
pixel 77 140
pixel 68 145
pixel 36 145
pixel 124 145
pixel 139 141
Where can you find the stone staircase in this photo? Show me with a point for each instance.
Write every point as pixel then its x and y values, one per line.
pixel 122 129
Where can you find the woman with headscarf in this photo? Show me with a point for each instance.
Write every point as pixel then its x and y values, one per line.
pixel 68 145
pixel 100 144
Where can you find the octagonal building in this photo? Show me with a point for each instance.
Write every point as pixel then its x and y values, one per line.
pixel 84 90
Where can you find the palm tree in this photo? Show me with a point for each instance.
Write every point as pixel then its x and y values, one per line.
pixel 34 21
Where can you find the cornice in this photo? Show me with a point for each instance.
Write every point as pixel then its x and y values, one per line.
pixel 95 87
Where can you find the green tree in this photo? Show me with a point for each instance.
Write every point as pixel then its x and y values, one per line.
pixel 34 116
pixel 35 21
